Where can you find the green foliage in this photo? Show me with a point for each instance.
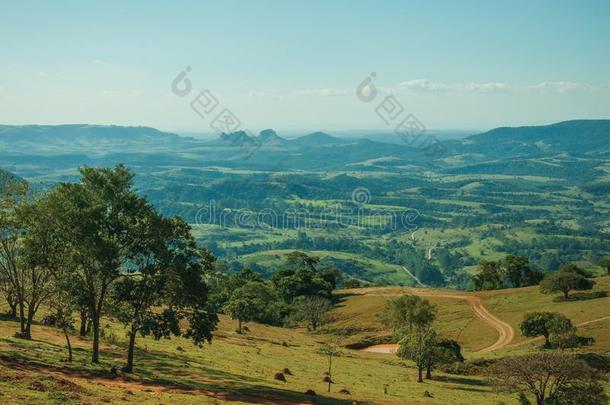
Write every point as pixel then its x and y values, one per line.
pixel 314 310
pixel 568 278
pixel 408 312
pixel 421 347
pixel 253 301
pixel 547 324
pixel 590 393
pixel 511 272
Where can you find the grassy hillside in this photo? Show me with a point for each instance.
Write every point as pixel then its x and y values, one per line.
pixel 358 314
pixel 234 369
pixel 240 368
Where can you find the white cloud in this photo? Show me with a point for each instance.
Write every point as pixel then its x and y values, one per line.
pixel 328 92
pixel 561 86
pixel 425 85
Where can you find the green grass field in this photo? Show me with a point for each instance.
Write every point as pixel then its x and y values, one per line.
pixel 240 368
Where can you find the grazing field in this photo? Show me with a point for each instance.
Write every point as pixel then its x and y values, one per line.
pixel 240 368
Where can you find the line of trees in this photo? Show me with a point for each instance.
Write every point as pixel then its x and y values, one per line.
pixel 299 292
pixel 511 272
pixel 97 248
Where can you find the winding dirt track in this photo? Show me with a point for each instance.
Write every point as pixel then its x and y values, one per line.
pixel 505 332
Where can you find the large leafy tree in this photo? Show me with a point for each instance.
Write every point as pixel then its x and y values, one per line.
pixel 518 272
pixel 568 278
pixel 165 269
pixel 490 276
pixel 26 279
pixel 99 217
pixel 545 324
pixel 302 277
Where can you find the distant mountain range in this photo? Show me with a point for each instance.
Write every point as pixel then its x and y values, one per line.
pixel 577 137
pixel 32 148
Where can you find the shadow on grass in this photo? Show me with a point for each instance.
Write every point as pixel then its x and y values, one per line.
pixel 160 370
pixel 583 296
pixel 460 380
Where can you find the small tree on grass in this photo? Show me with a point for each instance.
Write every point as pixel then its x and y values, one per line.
pixel 544 375
pixel 545 324
pixel 419 346
pixel 408 312
pixel 314 310
pixel 565 281
pixel 331 351
pixel 251 302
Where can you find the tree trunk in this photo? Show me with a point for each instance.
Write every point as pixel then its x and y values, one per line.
pixel 69 345
pixel 330 372
pixel 95 356
pixel 547 343
pixel 83 323
pixel 13 309
pixel 21 317
pixel 565 295
pixel 132 343
pixel 428 373
pixel 238 325
pixel 419 375
pixel 28 323
pixel 540 399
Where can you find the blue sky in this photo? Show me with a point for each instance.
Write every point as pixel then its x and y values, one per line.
pixel 295 65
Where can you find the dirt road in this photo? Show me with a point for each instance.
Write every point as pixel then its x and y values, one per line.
pixel 505 332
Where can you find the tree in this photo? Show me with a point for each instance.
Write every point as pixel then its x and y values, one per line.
pixel 62 304
pixel 330 350
pixel 303 278
pixel 249 303
pixel 26 281
pixel 420 346
pixel 406 312
pixel 565 281
pixel 489 277
pixel 446 351
pixel 590 393
pixel 98 217
pixel 543 375
pixel 166 270
pixel 314 310
pixel 518 272
pixel 545 324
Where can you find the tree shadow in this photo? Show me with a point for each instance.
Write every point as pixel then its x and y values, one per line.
pixel 582 296
pixel 460 380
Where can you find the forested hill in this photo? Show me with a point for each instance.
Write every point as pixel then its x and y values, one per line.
pixel 577 137
pixel 7 179
pixel 62 139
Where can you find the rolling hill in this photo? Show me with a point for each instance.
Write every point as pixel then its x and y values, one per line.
pixel 240 368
